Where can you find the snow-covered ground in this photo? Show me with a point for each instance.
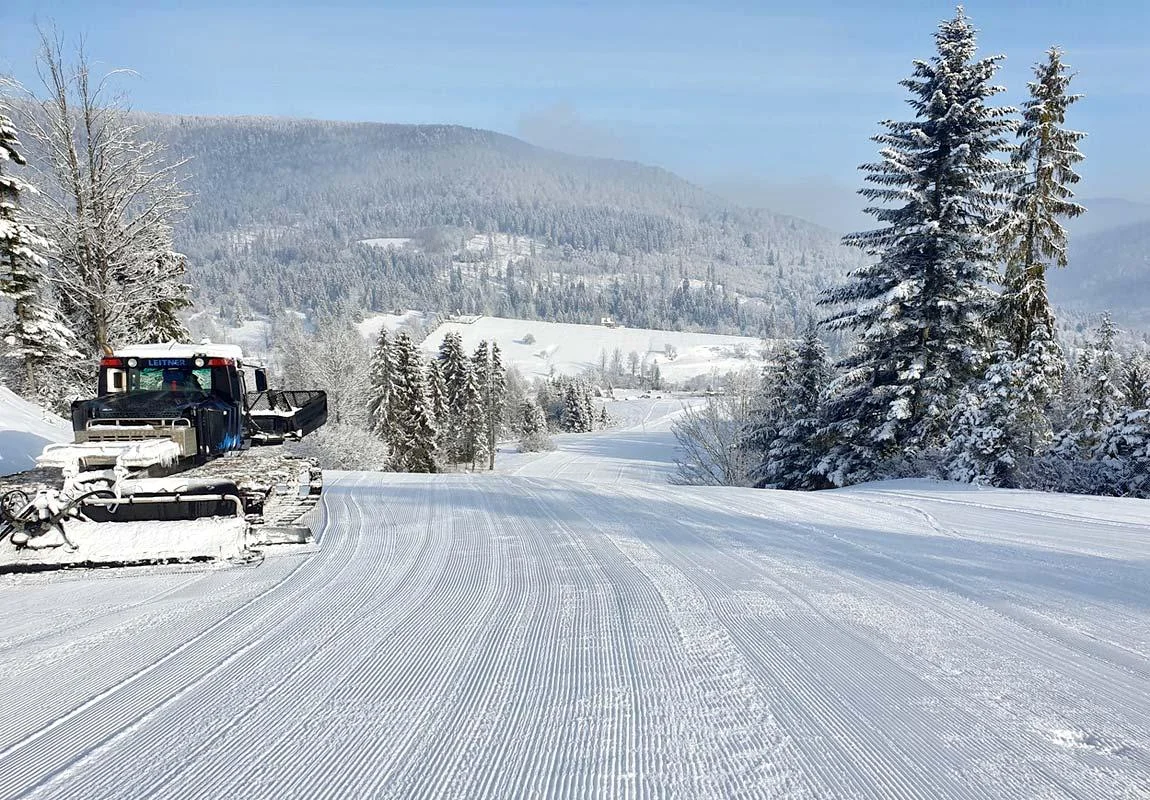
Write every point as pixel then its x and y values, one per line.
pixel 540 348
pixel 639 447
pixel 370 327
pixel 24 430
pixel 385 242
pixel 527 635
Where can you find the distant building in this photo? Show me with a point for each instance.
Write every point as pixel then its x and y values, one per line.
pixel 608 322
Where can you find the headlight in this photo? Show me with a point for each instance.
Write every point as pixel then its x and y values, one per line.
pixel 199 362
pixel 133 363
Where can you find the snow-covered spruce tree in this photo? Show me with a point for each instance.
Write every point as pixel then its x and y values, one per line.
pixel 578 412
pixel 1004 419
pixel 920 310
pixel 36 337
pixel 796 450
pixel 159 320
pixel 533 433
pixel 1032 235
pixel 470 435
pixel 1001 420
pixel 481 369
pixel 1136 383
pixel 574 410
pixel 109 201
pixel 456 371
pixel 496 392
pixel 766 416
pixel 1103 396
pixel 588 407
pixel 379 387
pixel 412 437
pixel 436 394
pixel 1125 447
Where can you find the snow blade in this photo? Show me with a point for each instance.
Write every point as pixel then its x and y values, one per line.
pixel 279 414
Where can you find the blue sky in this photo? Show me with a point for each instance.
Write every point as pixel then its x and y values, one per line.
pixel 743 92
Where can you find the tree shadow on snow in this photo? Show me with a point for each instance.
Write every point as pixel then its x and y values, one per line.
pixel 735 529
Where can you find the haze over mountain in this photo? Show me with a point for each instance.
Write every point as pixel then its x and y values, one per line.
pixel 315 215
pixel 1109 257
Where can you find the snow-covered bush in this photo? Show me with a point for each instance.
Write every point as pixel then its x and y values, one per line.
pixel 342 446
pixel 1125 448
pixel 533 435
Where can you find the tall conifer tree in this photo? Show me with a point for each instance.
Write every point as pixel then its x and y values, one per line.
pixel 920 310
pixel 379 389
pixel 412 431
pixel 36 337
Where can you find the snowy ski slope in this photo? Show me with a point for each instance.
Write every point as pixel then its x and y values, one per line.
pixel 582 630
pixel 24 430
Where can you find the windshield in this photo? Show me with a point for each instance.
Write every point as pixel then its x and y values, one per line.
pixel 169 379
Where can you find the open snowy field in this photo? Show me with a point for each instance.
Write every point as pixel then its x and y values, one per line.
pixel 24 430
pixel 582 629
pixel 538 348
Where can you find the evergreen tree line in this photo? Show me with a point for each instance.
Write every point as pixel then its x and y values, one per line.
pixel 956 368
pixel 568 405
pixel 241 285
pixel 292 200
pixel 86 254
pixel 453 410
pixel 446 412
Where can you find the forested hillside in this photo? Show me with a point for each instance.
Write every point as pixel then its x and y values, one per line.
pixel 1109 269
pixel 477 222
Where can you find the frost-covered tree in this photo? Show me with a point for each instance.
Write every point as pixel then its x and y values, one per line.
pixel 796 449
pixel 767 413
pixel 1000 421
pixel 1041 194
pixel 36 337
pixel 482 370
pixel 920 309
pixel 160 319
pixel 574 419
pixel 1066 408
pixel 379 387
pixel 412 438
pixel 436 393
pixel 457 378
pixel 471 441
pixel 496 392
pixel 1103 396
pixel 533 433
pixel 109 200
pixel 708 435
pixel 334 358
pixel 1136 383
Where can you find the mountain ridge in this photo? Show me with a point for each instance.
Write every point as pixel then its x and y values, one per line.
pixel 284 205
